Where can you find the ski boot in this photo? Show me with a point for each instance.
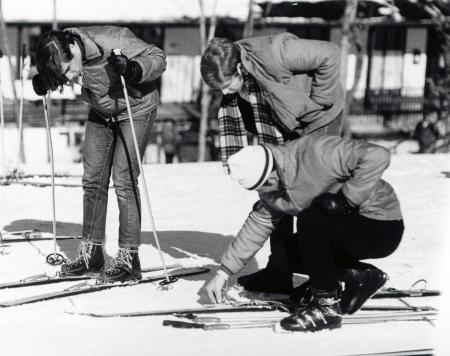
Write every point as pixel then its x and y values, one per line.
pixel 267 281
pixel 125 267
pixel 321 311
pixel 360 285
pixel 90 259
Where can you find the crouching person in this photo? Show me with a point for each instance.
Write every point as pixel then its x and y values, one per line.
pixel 346 213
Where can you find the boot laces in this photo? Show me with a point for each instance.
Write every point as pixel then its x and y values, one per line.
pixel 327 302
pixel 326 305
pixel 123 257
pixel 308 313
pixel 84 252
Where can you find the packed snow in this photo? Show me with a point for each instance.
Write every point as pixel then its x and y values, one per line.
pixel 197 211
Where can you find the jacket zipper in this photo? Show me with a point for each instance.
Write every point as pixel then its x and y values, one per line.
pixel 84 82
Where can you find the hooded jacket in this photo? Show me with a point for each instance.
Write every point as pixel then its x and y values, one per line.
pixel 306 168
pixel 300 79
pixel 101 86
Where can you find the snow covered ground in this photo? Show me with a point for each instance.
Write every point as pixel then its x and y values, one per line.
pixel 197 210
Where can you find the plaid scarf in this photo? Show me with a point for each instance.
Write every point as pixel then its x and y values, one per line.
pixel 232 132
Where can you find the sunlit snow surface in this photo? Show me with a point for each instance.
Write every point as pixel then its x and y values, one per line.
pixel 197 210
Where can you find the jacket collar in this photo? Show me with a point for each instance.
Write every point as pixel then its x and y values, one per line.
pixel 92 51
pixel 279 160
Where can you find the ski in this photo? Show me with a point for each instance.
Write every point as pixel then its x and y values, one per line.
pixel 416 352
pixel 21 175
pixel 347 319
pixel 206 309
pixel 96 286
pixel 237 293
pixel 42 184
pixel 46 279
pixel 403 293
pixel 255 306
pixel 213 323
pixel 32 235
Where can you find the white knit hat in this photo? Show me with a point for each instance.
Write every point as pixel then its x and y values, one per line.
pixel 251 166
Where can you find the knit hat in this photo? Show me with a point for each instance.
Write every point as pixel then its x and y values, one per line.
pixel 251 166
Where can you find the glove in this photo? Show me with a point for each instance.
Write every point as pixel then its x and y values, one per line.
pixel 39 85
pixel 130 70
pixel 334 204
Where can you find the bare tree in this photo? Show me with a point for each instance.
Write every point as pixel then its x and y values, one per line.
pixel 12 71
pixel 204 91
pixel 347 21
pixel 249 24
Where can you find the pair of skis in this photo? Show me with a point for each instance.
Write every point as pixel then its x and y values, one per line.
pixel 32 235
pixel 90 284
pixel 225 323
pixel 194 318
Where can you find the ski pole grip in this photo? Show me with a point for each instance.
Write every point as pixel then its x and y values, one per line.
pixel 24 50
pixel 1 53
pixel 181 324
pixel 216 326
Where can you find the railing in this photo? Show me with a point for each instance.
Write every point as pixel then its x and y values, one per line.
pixel 386 111
pixel 372 111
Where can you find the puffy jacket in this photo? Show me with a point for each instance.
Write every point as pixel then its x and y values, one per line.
pixel 300 79
pixel 101 87
pixel 308 167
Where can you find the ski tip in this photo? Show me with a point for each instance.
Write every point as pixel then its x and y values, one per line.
pixel 77 313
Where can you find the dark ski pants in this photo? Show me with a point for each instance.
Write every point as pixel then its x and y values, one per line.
pixel 109 148
pixel 329 245
pixel 284 256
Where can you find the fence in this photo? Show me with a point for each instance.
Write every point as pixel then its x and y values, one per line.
pixel 386 111
pixel 374 112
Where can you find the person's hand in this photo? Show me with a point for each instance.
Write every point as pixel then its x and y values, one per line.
pixel 334 204
pixel 214 288
pixel 40 87
pixel 122 65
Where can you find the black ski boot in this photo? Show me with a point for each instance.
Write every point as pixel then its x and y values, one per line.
pixel 322 311
pixel 267 281
pixel 126 266
pixel 360 285
pixel 89 260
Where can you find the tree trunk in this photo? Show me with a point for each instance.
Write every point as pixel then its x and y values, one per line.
pixel 248 28
pixel 347 21
pixel 204 91
pixel 12 71
pixel 358 38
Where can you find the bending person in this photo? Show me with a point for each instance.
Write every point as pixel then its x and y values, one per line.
pixel 278 88
pixel 84 55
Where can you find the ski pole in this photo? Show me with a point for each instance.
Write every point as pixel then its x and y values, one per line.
pixel 22 69
pixel 55 258
pixel 168 279
pixel 2 119
pixel 188 325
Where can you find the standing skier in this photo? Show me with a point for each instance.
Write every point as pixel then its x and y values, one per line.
pixel 84 55
pixel 345 211
pixel 279 88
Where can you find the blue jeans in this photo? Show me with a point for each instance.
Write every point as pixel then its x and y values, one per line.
pixel 109 147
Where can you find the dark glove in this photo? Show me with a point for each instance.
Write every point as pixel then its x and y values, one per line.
pixel 131 70
pixel 334 204
pixel 39 85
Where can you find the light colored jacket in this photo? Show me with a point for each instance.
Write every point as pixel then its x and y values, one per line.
pixel 308 167
pixel 299 78
pixel 101 86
